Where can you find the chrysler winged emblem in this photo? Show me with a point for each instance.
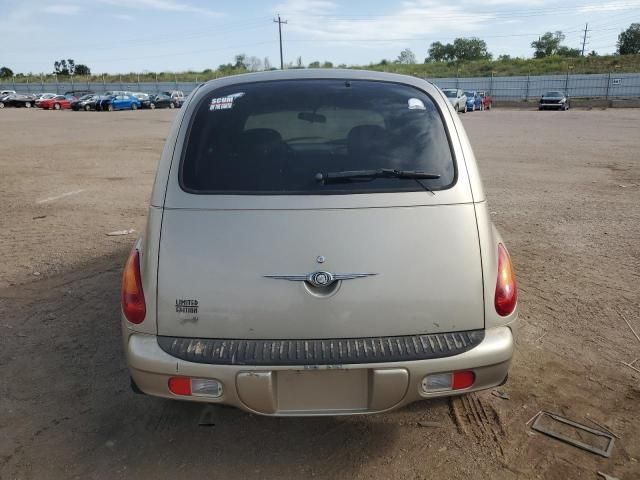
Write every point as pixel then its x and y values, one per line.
pixel 321 279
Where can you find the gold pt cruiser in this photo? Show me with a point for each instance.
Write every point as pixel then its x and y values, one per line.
pixel 318 243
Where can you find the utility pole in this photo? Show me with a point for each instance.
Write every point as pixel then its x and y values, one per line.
pixel 279 21
pixel 584 39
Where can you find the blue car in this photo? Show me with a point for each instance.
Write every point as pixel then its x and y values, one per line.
pixel 120 101
pixel 474 101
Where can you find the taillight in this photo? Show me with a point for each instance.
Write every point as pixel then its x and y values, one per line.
pixel 506 290
pixel 133 305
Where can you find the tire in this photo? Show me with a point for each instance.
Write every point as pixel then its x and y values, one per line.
pixel 1 104
pixel 466 109
pixel 56 106
pixel 489 106
pixel 482 107
pixel 110 108
pixel 171 105
pixel 152 106
pixel 540 108
pixel 27 104
pixel 87 108
pixel 134 106
pixel 473 107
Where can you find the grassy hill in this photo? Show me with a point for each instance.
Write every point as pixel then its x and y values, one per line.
pixel 480 68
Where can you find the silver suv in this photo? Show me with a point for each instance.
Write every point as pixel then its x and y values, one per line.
pixel 318 243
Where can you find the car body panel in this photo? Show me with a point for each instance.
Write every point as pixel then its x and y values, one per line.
pixel 254 389
pixel 227 276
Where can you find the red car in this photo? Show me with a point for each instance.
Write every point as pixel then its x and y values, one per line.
pixel 56 103
pixel 486 100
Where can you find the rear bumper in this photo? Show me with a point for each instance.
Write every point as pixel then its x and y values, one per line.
pixel 318 389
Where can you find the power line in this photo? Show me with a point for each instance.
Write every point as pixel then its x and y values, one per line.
pixel 279 21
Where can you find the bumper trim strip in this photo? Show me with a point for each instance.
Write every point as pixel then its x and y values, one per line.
pixel 331 351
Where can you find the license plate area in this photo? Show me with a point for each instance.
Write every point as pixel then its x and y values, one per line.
pixel 330 391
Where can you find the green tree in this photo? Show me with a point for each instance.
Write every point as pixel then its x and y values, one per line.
pixel 6 72
pixel 82 69
pixel 61 67
pixel 406 57
pixel 568 52
pixel 629 40
pixel 470 49
pixel 547 44
pixel 462 49
pixel 593 53
pixel 439 52
pixel 327 64
pixel 315 64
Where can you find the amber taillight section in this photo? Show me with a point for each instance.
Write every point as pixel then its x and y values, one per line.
pixel 133 305
pixel 506 290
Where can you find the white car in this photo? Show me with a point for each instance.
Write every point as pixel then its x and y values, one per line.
pixel 457 98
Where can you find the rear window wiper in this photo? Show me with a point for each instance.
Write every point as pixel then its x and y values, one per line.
pixel 349 175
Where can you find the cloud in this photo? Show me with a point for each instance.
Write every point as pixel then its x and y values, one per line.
pixel 62 9
pixel 164 5
pixel 610 6
pixel 124 17
pixel 411 19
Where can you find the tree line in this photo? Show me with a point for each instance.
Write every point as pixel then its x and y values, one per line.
pixel 460 50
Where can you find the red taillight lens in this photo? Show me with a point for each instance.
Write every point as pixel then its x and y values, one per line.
pixel 506 290
pixel 133 305
pixel 463 379
pixel 180 386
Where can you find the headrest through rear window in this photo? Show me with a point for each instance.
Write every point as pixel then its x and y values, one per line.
pixel 371 139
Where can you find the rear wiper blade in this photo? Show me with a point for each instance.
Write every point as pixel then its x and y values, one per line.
pixel 348 175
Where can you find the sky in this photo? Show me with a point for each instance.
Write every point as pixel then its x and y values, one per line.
pixel 120 36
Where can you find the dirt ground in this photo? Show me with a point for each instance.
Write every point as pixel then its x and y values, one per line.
pixel 564 189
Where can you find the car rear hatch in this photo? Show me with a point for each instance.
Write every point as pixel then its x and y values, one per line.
pixel 238 242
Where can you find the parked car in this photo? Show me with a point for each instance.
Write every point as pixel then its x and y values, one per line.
pixel 474 102
pixel 146 100
pixel 554 100
pixel 486 101
pixel 17 100
pixel 85 102
pixel 58 102
pixel 78 93
pixel 44 96
pixel 121 101
pixel 163 101
pixel 268 278
pixel 457 98
pixel 177 96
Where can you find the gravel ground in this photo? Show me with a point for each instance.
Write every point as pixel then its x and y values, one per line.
pixel 564 189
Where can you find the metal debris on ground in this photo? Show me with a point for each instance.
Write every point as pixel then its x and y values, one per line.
pixel 630 366
pixel 603 428
pixel 628 324
pixel 607 477
pixel 429 424
pixel 500 394
pixel 604 452
pixel 120 232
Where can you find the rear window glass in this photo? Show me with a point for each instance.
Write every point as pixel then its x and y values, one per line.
pixel 276 137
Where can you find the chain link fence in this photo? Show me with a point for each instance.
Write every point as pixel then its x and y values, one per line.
pixel 518 88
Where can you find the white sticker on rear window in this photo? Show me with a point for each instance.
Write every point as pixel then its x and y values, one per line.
pixel 224 103
pixel 416 104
